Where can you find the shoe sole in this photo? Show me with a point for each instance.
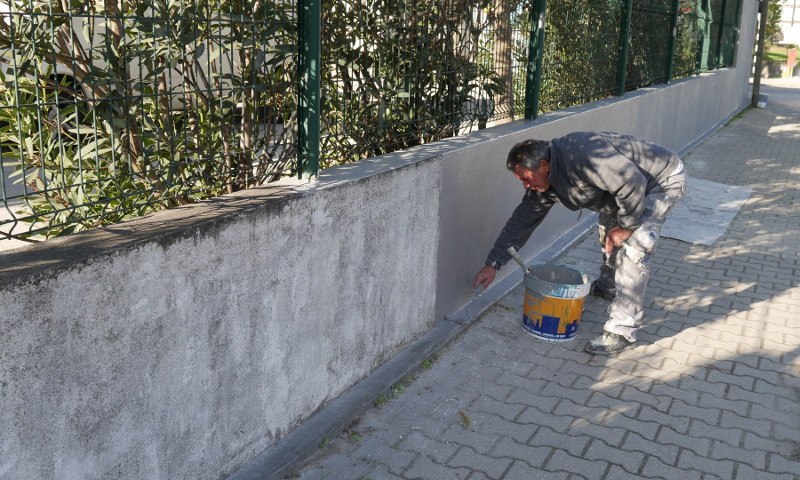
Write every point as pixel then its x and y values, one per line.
pixel 606 353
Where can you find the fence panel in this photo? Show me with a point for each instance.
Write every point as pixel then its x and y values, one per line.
pixel 581 52
pixel 115 109
pixel 403 73
pixel 110 110
pixel 730 32
pixel 649 43
pixel 688 41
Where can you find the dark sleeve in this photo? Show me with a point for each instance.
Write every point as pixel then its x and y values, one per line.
pixel 526 217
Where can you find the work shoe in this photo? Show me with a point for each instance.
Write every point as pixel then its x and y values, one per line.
pixel 608 344
pixel 596 291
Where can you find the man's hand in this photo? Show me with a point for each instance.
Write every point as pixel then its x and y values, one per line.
pixel 615 237
pixel 484 277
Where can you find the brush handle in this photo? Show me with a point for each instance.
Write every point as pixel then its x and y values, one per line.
pixel 513 252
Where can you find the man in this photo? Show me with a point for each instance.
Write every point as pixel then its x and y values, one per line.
pixel 631 183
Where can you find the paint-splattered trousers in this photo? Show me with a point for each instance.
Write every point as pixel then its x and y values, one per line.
pixel 624 273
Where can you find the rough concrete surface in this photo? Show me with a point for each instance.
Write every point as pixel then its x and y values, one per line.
pixel 184 359
pixel 711 391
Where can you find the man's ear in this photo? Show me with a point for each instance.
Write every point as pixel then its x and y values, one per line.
pixel 544 164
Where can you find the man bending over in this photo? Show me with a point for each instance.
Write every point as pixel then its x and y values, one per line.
pixel 631 183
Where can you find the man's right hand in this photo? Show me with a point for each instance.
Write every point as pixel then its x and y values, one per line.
pixel 484 278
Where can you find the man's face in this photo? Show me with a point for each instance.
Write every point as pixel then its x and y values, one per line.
pixel 534 179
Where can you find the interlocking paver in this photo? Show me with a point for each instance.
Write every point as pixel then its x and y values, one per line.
pixel 475 475
pixel 783 464
pixel 719 468
pixel 679 424
pixel 379 472
pixel 690 383
pixel 666 453
pixel 604 401
pixel 697 445
pixel 502 427
pixel 710 392
pixel 628 393
pixel 739 407
pixel 505 410
pixel 785 432
pixel 724 451
pixel 425 469
pixel 731 436
pixel 482 442
pixel 524 397
pixel 680 408
pixel 534 416
pixel 338 466
pixel 546 437
pixel 618 473
pixel 654 468
pixel 377 452
pixel 627 460
pixel 745 472
pixel 469 458
pixel 588 469
pixel 610 435
pixel 735 392
pixel 522 471
pixel 738 422
pixel 534 456
pixel 438 451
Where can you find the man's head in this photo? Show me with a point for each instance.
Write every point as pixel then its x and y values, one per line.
pixel 530 162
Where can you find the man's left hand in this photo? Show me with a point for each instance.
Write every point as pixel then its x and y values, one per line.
pixel 615 237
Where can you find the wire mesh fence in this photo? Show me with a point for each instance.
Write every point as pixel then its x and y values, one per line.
pixel 114 109
pixel 582 41
pixel 110 110
pixel 397 74
pixel 649 54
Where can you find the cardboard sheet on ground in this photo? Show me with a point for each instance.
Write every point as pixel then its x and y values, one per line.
pixel 705 212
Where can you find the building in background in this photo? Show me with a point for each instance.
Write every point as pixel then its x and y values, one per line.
pixel 790 21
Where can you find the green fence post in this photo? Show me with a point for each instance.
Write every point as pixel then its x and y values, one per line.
pixel 673 36
pixel 624 37
pixel 533 80
pixel 308 88
pixel 718 60
pixel 704 16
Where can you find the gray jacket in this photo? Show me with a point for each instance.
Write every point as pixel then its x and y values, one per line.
pixel 607 173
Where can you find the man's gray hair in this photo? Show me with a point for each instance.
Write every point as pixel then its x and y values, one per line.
pixel 528 154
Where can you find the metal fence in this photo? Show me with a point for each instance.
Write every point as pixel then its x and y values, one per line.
pixel 114 109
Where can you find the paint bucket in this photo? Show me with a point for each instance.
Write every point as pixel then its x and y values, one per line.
pixel 554 301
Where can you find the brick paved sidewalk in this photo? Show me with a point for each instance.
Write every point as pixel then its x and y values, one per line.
pixel 712 391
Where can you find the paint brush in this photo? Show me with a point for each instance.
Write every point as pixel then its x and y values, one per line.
pixel 513 252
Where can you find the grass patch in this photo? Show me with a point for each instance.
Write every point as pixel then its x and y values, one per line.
pixel 775 53
pixel 400 388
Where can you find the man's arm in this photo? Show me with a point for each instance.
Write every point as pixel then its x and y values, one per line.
pixel 518 229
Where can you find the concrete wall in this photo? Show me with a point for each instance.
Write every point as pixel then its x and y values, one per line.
pixel 180 345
